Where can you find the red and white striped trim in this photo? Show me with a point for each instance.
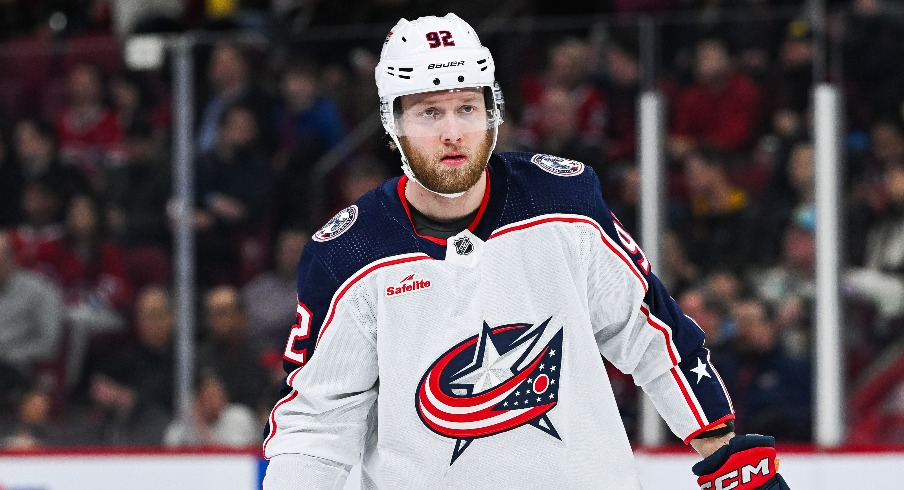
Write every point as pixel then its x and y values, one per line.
pixel 611 244
pixel 721 383
pixel 364 271
pixel 286 399
pixel 677 374
pixel 690 397
pixel 666 331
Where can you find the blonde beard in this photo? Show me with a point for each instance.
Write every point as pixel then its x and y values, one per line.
pixel 445 180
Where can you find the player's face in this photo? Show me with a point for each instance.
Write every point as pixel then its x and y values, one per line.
pixel 445 138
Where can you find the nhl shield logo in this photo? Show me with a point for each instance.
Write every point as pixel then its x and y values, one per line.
pixel 562 167
pixel 502 379
pixel 463 246
pixel 338 224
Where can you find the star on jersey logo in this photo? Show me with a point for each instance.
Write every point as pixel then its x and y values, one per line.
pixel 700 370
pixel 504 378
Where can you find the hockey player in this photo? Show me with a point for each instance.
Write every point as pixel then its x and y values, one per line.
pixel 450 322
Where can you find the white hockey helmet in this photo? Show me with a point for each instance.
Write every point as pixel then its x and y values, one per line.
pixel 429 54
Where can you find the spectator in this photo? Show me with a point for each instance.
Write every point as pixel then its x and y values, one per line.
pixel 887 139
pixel 794 276
pixel 787 129
pixel 725 288
pixel 355 93
pixel 708 314
pixel 567 70
pixel 234 188
pixel 38 240
pixel 33 427
pixel 145 365
pixel 793 78
pixel 94 282
pixel 309 126
pixel 558 130
pixel 512 137
pixel 869 202
pixel 134 102
pixel 268 294
pixel 226 350
pixel 216 420
pixel 36 153
pixel 621 86
pixel 679 272
pixel 363 173
pixel 30 314
pixel 117 416
pixel 309 123
pixel 717 226
pixel 623 197
pixel 770 390
pixel 880 280
pixel 720 109
pixel 88 131
pixel 796 202
pixel 137 192
pixel 228 74
pixel 131 390
pixel 789 288
pixel 873 35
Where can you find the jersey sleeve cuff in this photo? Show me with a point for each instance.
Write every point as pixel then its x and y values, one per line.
pixel 713 425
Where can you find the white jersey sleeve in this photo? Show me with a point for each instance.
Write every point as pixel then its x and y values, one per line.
pixel 317 429
pixel 642 331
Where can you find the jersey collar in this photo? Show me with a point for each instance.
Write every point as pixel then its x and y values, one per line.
pixel 400 189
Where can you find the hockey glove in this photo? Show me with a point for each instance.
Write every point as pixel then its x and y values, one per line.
pixel 745 463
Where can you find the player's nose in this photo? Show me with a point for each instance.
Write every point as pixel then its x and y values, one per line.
pixel 451 130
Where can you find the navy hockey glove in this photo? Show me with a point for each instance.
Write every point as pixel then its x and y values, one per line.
pixel 745 463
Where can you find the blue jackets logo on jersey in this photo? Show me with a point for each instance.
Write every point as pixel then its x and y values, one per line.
pixel 338 224
pixel 562 167
pixel 490 383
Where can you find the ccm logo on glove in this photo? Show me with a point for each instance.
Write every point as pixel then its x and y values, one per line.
pixel 752 468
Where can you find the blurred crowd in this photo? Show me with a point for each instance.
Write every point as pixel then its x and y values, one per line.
pixel 86 200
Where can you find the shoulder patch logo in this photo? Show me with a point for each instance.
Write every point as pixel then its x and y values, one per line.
pixel 562 167
pixel 338 224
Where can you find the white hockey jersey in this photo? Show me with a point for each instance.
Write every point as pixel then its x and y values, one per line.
pixel 475 362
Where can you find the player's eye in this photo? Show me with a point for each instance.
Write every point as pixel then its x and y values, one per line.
pixel 430 113
pixel 467 109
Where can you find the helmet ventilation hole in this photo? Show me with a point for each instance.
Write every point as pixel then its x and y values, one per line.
pixel 461 78
pixel 436 81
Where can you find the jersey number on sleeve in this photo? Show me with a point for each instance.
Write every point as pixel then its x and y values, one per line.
pixel 630 245
pixel 300 331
